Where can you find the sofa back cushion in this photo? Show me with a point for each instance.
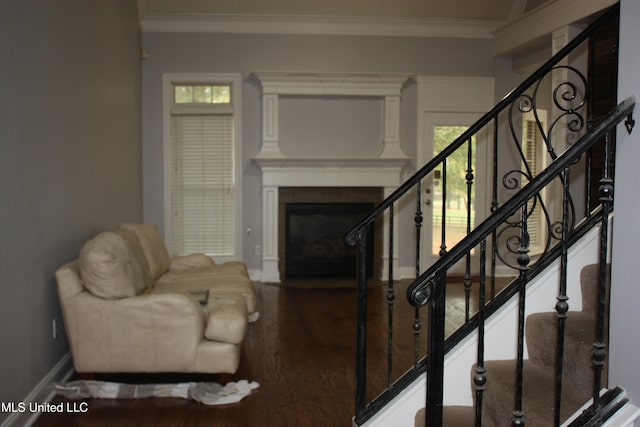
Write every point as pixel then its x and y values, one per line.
pixel 154 249
pixel 135 250
pixel 109 268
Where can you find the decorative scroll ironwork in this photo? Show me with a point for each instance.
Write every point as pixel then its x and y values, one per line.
pixel 568 100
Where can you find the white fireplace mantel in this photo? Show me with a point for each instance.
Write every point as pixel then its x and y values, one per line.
pixel 288 172
pixel 385 86
pixel 297 172
pixel 278 170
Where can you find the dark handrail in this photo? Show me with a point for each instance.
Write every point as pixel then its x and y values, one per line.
pixel 351 235
pixel 417 292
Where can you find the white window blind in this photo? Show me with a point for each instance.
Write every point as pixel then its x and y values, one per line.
pixel 203 184
pixel 533 153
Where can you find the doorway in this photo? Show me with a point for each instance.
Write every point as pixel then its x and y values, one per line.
pixel 447 106
pixel 451 207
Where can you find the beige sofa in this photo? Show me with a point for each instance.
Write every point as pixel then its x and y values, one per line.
pixel 129 307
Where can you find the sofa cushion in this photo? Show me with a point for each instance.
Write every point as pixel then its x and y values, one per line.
pixel 109 268
pixel 188 262
pixel 226 317
pixel 154 249
pixel 137 252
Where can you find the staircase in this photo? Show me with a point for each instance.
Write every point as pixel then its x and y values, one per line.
pixel 558 369
pixel 540 369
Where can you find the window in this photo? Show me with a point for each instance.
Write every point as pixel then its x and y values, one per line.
pixel 202 94
pixel 201 145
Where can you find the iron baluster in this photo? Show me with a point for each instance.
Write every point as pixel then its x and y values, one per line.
pixel 562 307
pixel 599 346
pixel 418 225
pixel 494 206
pixel 390 303
pixel 361 338
pixel 443 221
pixel 480 377
pixel 523 267
pixel 467 270
pixel 417 323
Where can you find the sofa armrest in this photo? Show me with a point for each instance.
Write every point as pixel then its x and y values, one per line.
pixel 227 318
pixel 139 334
pixel 190 261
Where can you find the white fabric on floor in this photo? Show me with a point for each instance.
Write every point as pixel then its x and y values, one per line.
pixel 206 393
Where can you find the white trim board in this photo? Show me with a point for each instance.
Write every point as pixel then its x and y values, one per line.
pixel 41 393
pixel 319 25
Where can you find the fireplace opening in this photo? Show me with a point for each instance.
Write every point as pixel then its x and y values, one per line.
pixel 314 245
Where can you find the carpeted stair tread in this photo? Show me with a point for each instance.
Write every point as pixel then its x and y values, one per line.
pixel 539 370
pixel 538 396
pixel 541 338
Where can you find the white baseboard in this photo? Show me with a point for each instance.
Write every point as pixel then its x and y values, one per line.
pixel 43 392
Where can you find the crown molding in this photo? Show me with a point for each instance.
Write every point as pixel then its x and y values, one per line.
pixel 318 25
pixel 543 21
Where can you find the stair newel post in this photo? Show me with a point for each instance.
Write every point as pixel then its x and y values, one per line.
pixel 436 351
pixel 416 318
pixel 562 307
pixel 361 338
pixel 390 303
pixel 480 378
pixel 523 266
pixel 467 270
pixel 606 199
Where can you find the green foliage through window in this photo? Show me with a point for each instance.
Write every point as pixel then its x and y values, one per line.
pixel 202 94
pixel 457 162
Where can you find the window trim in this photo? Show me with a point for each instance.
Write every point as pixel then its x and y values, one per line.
pixel 168 83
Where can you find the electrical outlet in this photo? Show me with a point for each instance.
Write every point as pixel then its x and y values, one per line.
pixel 54 328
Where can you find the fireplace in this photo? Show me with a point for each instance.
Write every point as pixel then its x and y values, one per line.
pixel 314 245
pixel 334 209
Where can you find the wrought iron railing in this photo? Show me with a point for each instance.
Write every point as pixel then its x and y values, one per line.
pixel 502 240
pixel 431 285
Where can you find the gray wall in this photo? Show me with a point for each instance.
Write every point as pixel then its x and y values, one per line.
pixel 70 160
pixel 225 53
pixel 625 291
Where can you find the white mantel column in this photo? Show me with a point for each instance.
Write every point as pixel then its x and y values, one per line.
pixel 270 261
pixel 391 142
pixel 270 138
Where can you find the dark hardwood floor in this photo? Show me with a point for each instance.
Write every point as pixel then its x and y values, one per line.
pixel 301 351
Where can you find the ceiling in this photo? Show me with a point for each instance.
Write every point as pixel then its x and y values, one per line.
pixel 492 10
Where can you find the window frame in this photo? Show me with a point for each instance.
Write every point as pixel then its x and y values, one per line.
pixel 169 82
